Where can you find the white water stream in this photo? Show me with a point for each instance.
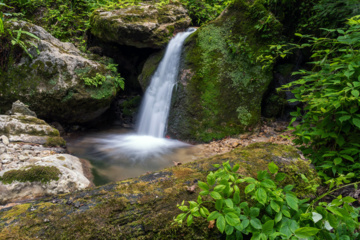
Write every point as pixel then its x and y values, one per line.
pixel 129 155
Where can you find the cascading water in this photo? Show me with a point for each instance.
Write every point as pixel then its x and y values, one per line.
pixel 149 141
pixel 155 107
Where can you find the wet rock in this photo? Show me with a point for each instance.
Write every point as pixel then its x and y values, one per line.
pixel 4 138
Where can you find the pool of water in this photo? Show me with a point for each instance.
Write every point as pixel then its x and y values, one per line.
pixel 117 154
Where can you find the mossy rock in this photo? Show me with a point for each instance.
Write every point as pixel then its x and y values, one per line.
pixel 143 207
pixel 52 82
pixel 41 174
pixel 142 26
pixel 220 86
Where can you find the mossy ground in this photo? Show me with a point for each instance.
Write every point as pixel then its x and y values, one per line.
pixel 224 92
pixel 139 208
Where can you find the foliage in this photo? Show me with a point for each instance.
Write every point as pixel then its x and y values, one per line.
pixel 42 174
pixel 330 119
pixel 270 212
pixel 203 11
pixel 99 78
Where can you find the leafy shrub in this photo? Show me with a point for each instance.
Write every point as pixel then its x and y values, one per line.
pixel 270 212
pixel 329 126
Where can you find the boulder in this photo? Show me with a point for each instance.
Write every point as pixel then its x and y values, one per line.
pixel 18 181
pixel 144 207
pixel 221 84
pixel 52 80
pixel 142 26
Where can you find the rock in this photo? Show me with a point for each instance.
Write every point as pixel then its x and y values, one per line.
pixel 144 207
pixel 142 26
pixel 52 82
pixel 71 178
pixel 221 85
pixel 26 128
pixel 4 139
pixel 18 108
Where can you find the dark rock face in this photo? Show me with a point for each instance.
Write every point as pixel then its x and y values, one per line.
pixel 143 207
pixel 141 26
pixel 221 85
pixel 52 82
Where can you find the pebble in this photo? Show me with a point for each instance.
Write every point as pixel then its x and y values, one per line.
pixel 5 140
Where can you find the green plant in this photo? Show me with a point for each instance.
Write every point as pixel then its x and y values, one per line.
pixel 330 119
pixel 23 44
pixel 270 212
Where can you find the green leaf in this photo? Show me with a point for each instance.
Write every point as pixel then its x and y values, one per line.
pixel 203 186
pixel 232 219
pixel 316 217
pixel 229 230
pixel 256 223
pixel 292 201
pixel 261 195
pixel 236 197
pixel 189 220
pixel 268 227
pixel 275 206
pixel 355 93
pixel 254 212
pixel 337 161
pixel 267 183
pixel 344 118
pixel 203 193
pixel 356 122
pixel 211 178
pixel 306 232
pixel 245 223
pixel 280 177
pixel 286 213
pixel 229 203
pixel 273 168
pixel 219 188
pixel 249 188
pixel 278 217
pixel 220 223
pixel 213 215
pixel 215 195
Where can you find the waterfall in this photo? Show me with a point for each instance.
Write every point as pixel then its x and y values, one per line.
pixel 155 106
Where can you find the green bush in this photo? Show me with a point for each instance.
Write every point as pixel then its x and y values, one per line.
pixel 329 126
pixel 270 212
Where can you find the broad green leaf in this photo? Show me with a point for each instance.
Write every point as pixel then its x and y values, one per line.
pixel 356 122
pixel 189 220
pixel 245 223
pixel 344 118
pixel 280 176
pixel 236 197
pixel 286 213
pixel 275 206
pixel 268 183
pixel 232 219
pixel 337 161
pixel 249 188
pixel 229 230
pixel 306 232
pixel 213 215
pixel 220 223
pixel 203 186
pixel 292 201
pixel 211 178
pixel 261 195
pixel 254 212
pixel 203 193
pixel 288 188
pixel 219 188
pixel 229 203
pixel 268 227
pixel 278 217
pixel 273 168
pixel 256 223
pixel 355 93
pixel 215 195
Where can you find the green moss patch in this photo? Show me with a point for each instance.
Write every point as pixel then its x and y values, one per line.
pixel 55 142
pixel 42 174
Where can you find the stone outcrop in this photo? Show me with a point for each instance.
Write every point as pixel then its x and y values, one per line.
pixel 22 156
pixel 52 81
pixel 141 26
pixel 144 207
pixel 221 84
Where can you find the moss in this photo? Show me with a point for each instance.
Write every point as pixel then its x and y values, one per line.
pixel 42 174
pixel 30 120
pixel 55 142
pixel 223 94
pixel 16 211
pixel 62 158
pixel 143 207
